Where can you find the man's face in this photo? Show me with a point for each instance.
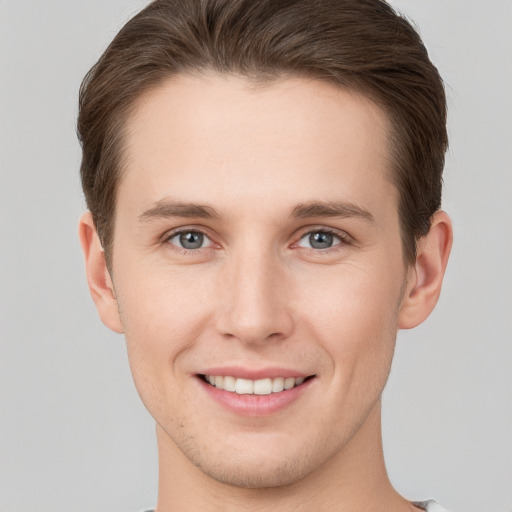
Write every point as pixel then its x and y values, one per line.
pixel 257 239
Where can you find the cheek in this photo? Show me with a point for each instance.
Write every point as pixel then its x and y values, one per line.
pixel 354 316
pixel 162 315
pixel 162 304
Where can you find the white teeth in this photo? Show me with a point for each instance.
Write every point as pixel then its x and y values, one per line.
pixel 289 383
pixel 229 384
pixel 244 387
pixel 277 385
pixel 253 387
pixel 263 387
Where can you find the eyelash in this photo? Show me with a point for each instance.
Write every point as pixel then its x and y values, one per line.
pixel 344 240
pixel 169 236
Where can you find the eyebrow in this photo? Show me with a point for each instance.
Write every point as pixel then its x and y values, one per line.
pixel 167 208
pixel 331 209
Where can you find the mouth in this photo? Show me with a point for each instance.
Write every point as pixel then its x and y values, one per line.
pixel 266 386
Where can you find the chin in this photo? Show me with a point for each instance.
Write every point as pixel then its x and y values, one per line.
pixel 255 463
pixel 257 474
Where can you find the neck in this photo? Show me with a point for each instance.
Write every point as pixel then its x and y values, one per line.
pixel 354 479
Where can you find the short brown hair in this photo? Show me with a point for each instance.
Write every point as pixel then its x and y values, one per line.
pixel 362 45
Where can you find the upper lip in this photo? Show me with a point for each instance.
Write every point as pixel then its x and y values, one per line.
pixel 253 373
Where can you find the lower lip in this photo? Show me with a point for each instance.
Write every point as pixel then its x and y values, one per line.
pixel 255 405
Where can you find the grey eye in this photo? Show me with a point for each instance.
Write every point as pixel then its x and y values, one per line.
pixel 190 240
pixel 319 240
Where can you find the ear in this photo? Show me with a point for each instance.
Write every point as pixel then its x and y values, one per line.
pixel 98 277
pixel 425 277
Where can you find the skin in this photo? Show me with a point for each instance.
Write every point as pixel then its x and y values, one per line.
pixel 257 294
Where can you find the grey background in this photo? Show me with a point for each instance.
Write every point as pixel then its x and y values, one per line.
pixel 73 435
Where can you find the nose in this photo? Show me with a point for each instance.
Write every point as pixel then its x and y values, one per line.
pixel 254 305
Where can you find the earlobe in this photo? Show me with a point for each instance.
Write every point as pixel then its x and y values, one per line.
pixel 98 277
pixel 426 276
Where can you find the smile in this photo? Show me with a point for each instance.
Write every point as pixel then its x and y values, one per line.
pixel 269 391
pixel 253 387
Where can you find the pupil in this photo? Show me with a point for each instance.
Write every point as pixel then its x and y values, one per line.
pixel 191 240
pixel 321 240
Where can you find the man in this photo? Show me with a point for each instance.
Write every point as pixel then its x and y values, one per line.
pixel 264 185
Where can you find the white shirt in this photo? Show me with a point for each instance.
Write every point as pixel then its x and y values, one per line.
pixel 428 506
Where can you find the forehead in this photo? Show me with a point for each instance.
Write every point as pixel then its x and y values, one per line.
pixel 217 135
